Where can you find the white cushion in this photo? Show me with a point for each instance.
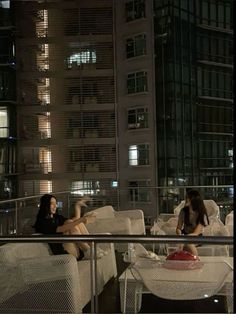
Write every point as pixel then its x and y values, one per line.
pixel 229 219
pixel 104 212
pixel 211 207
pixel 12 252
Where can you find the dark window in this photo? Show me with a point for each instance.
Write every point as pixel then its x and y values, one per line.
pixel 136 46
pixel 134 10
pixel 138 118
pixel 139 191
pixel 137 82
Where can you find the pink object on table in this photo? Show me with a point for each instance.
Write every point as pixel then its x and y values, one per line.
pixel 182 260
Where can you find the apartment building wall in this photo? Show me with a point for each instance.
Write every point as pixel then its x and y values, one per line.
pixel 186 66
pixel 136 105
pixel 8 169
pixel 130 93
pixel 67 97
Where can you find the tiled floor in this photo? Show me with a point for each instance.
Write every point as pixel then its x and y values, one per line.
pixel 109 300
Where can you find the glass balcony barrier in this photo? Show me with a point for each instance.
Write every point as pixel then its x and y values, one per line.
pixel 158 205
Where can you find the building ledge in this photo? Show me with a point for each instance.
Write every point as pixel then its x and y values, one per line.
pixel 217 64
pixel 216 29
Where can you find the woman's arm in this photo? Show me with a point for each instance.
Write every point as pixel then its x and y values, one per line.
pixel 70 225
pixel 78 205
pixel 198 229
pixel 180 223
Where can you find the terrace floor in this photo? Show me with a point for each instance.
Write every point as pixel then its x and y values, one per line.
pixel 109 300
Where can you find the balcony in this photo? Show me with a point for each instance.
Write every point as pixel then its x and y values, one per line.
pixel 37 168
pixel 19 214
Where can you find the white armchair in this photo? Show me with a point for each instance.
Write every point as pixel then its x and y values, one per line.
pixel 215 228
pixel 117 222
pixel 34 281
pixel 212 208
pixel 229 223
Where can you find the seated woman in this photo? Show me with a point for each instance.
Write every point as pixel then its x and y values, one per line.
pixel 192 219
pixel 48 221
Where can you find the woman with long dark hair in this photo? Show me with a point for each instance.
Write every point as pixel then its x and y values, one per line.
pixel 48 221
pixel 192 218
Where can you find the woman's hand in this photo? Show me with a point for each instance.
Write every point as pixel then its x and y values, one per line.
pixel 180 247
pixel 83 201
pixel 89 218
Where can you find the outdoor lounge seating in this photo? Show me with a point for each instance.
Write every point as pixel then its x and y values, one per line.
pixel 212 208
pixel 117 222
pixel 215 228
pixel 229 223
pixel 34 281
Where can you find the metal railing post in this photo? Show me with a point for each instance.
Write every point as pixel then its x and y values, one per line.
pixel 16 217
pixel 92 277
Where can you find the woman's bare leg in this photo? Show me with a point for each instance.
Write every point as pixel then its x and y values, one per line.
pixel 73 248
pixel 191 248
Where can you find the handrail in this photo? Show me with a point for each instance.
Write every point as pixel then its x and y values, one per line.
pixel 228 240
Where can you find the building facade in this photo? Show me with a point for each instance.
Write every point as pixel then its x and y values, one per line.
pixel 119 97
pixel 177 65
pixel 8 169
pixel 66 112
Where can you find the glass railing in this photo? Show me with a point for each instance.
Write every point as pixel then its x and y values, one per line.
pixel 18 215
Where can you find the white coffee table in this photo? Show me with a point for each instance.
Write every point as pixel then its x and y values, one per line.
pixel 131 289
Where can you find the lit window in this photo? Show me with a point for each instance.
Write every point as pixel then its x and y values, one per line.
pixel 136 46
pixel 138 118
pixel 86 56
pixel 134 9
pixel 85 187
pixel 139 155
pixel 230 152
pixel 4 124
pixel 5 4
pixel 137 82
pixel 45 186
pixel 139 191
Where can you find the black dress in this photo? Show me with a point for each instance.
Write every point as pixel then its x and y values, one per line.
pixel 49 226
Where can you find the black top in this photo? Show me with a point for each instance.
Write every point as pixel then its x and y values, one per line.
pixel 49 226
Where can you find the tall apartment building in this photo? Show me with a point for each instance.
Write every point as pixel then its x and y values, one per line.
pixel 66 112
pixel 175 62
pixel 8 182
pixel 131 93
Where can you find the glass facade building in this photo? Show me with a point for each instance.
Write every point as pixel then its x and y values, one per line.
pixel 194 75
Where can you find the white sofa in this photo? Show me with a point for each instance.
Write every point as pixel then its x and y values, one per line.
pixel 166 224
pixel 117 222
pixel 229 223
pixel 34 281
pixel 212 208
